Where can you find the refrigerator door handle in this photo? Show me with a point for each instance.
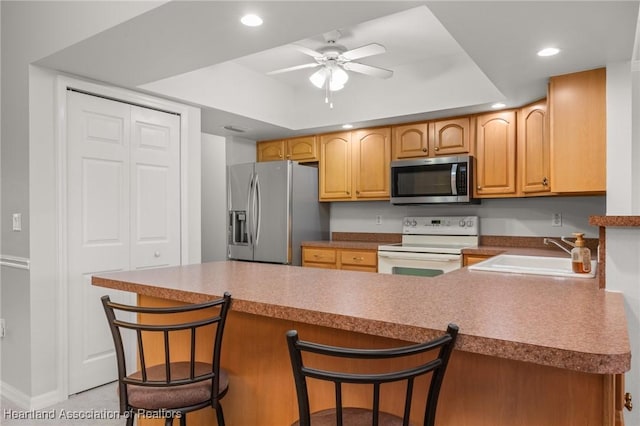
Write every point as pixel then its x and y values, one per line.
pixel 257 204
pixel 250 218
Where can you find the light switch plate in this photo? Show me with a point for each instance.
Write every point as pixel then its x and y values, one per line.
pixel 17 221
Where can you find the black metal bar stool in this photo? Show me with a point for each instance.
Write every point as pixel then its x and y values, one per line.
pixel 353 416
pixel 171 388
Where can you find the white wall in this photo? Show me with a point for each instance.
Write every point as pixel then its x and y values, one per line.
pixel 509 216
pixel 240 150
pixel 214 198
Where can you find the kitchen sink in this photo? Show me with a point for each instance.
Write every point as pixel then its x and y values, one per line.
pixel 536 265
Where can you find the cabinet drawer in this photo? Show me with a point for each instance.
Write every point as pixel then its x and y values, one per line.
pixel 360 258
pixel 317 255
pixel 472 259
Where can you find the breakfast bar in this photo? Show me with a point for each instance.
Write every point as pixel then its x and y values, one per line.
pixel 532 350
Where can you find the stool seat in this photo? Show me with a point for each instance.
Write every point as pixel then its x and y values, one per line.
pixel 157 398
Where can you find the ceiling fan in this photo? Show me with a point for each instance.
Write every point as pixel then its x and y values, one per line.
pixel 335 60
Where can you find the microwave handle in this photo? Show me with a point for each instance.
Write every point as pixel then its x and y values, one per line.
pixel 454 175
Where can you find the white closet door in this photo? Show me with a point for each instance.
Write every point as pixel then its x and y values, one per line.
pixel 123 212
pixel 155 193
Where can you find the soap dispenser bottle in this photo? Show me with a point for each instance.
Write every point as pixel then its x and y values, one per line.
pixel 580 256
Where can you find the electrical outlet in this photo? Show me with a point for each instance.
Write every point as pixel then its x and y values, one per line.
pixel 2 327
pixel 556 219
pixel 378 220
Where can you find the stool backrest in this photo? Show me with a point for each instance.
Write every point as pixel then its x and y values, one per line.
pixel 154 328
pixel 436 366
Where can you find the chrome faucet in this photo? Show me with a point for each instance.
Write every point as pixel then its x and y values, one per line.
pixel 548 241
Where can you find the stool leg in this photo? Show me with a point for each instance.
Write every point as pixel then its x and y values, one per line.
pixel 168 421
pixel 183 419
pixel 219 414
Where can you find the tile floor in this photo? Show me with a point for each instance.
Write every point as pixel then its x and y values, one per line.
pixel 100 403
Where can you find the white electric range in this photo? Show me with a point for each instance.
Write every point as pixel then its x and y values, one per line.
pixel 431 245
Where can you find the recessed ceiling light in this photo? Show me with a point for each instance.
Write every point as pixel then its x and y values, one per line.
pixel 498 105
pixel 347 126
pixel 251 20
pixel 548 51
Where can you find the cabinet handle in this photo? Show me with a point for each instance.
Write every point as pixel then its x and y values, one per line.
pixel 436 148
pixel 545 181
pixel 358 259
pixel 627 401
pixel 357 192
pixel 348 192
pixel 424 149
pixel 288 155
pixel 479 187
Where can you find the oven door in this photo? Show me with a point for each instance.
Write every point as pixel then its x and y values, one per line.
pixel 421 264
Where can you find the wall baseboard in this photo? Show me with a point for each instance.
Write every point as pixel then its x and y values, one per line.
pixel 27 402
pixel 15 261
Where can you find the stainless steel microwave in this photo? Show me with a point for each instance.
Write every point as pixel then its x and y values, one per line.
pixel 432 180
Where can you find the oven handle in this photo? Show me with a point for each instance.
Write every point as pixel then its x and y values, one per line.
pixel 411 256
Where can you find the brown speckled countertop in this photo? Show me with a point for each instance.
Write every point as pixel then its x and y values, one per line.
pixel 561 322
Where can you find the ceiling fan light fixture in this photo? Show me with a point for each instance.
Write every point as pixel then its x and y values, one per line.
pixel 336 76
pixel 339 78
pixel 318 78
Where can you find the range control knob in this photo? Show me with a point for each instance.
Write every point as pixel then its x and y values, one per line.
pixel 407 222
pixel 462 223
pixel 414 222
pixel 469 223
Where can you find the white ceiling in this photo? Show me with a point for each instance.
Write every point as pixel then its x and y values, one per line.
pixel 448 57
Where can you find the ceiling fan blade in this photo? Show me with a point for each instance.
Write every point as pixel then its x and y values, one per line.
pixel 307 51
pixel 297 67
pixel 368 70
pixel 364 51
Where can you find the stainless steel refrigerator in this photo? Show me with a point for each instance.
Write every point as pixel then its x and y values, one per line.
pixel 273 207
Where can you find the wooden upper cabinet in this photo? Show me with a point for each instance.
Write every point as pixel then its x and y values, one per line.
pixel 410 141
pixel 270 151
pixel 372 162
pixel 302 149
pixel 533 149
pixel 496 155
pixel 334 167
pixel 450 137
pixel 355 165
pixel 438 138
pixel 577 109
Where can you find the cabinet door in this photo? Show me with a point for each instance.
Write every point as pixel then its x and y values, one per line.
pixel 410 141
pixel 577 106
pixel 533 148
pixel 335 167
pixel 496 154
pixel 302 149
pixel 270 151
pixel 372 163
pixel 449 137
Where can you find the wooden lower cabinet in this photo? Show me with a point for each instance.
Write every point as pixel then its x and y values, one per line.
pixel 472 259
pixel 478 390
pixel 337 258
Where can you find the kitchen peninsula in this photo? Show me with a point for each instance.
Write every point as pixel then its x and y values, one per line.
pixel 532 350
